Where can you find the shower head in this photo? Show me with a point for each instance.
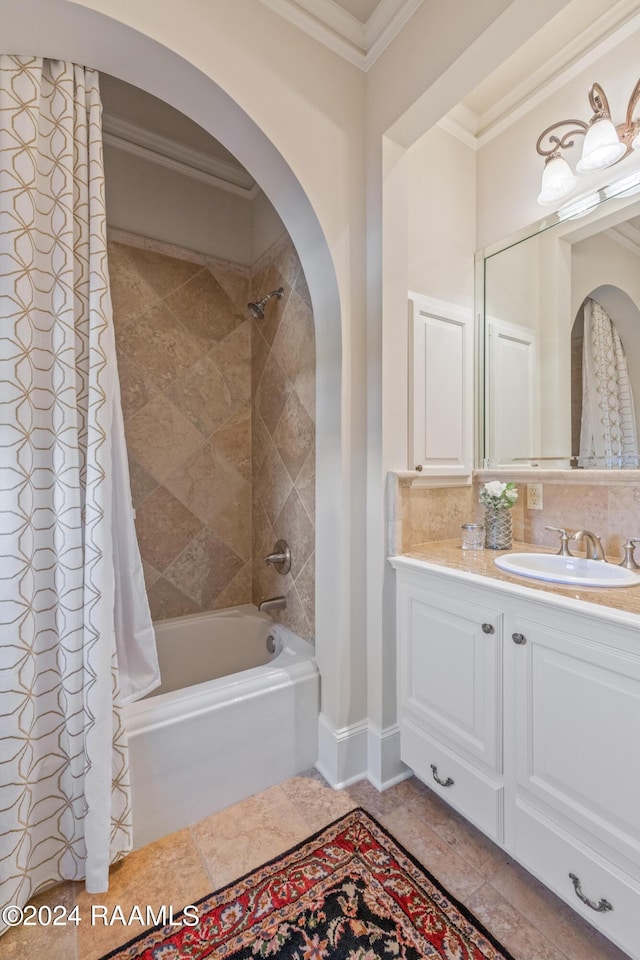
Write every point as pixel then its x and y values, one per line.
pixel 257 309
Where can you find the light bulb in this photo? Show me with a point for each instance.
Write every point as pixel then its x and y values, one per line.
pixel 601 148
pixel 557 180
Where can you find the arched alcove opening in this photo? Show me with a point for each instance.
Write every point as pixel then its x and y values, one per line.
pixel 71 31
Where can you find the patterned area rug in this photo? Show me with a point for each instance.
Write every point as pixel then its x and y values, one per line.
pixel 350 892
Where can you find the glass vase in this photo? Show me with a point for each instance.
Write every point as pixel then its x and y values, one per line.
pixel 497 525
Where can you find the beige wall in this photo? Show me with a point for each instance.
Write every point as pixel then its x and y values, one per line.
pixel 441 225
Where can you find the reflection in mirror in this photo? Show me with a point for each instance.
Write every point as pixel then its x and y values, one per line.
pixel 603 414
pixel 562 343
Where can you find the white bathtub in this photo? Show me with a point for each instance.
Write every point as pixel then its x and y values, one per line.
pixel 229 720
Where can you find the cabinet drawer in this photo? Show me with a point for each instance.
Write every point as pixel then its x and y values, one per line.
pixel 552 854
pixel 473 793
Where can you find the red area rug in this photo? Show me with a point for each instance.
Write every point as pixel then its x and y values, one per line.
pixel 350 892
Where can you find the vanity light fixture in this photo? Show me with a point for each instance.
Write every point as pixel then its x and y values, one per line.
pixel 626 187
pixel 580 206
pixel 604 144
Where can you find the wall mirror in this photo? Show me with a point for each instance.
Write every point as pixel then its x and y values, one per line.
pixel 559 317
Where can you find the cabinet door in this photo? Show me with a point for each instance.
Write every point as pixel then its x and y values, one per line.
pixel 441 389
pixel 449 671
pixel 578 717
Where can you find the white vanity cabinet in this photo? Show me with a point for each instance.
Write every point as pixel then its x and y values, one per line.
pixel 522 710
pixel 449 674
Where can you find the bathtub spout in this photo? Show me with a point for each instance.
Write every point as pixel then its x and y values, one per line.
pixel 273 603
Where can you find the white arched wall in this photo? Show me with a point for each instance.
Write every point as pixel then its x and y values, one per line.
pixel 70 31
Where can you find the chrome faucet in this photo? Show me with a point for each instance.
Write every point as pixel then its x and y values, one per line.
pixel 593 544
pixel 273 603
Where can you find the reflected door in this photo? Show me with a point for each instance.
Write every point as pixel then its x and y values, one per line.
pixel 512 407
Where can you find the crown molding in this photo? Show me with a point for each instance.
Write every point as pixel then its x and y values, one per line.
pixel 461 123
pixel 627 236
pixel 609 30
pixel 135 140
pixel 359 43
pixel 384 24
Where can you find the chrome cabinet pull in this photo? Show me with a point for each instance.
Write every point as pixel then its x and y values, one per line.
pixel 488 628
pixel 518 638
pixel 443 783
pixel 601 907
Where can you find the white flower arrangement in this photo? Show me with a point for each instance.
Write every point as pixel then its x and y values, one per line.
pixel 500 496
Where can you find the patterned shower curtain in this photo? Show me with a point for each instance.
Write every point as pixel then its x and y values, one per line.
pixel 76 640
pixel 608 436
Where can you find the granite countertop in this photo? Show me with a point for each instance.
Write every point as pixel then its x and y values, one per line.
pixel 449 554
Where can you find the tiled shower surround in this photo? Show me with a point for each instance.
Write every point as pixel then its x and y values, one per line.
pixel 220 427
pixel 606 502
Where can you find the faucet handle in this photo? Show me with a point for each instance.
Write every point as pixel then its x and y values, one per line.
pixel 564 541
pixel 629 561
pixel 280 557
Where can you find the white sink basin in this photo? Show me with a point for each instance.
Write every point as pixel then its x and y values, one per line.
pixel 576 571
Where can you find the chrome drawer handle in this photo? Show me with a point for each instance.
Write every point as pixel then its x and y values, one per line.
pixel 488 628
pixel 600 907
pixel 518 638
pixel 443 783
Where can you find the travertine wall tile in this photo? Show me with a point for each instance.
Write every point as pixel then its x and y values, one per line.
pixel 184 358
pixel 609 509
pixel 220 422
pixel 283 384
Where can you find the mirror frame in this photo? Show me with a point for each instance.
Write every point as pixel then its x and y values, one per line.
pixel 616 197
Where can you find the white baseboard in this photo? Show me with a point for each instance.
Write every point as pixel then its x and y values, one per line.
pixel 361 751
pixel 384 766
pixel 342 753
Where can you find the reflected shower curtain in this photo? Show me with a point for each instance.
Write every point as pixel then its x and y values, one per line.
pixel 76 640
pixel 608 436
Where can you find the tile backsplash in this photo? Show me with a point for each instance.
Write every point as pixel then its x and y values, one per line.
pixel 607 503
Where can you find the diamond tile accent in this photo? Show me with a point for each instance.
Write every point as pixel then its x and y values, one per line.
pixel 160 438
pixel 294 526
pixel 205 309
pixel 272 394
pixel 204 568
pixel 166 601
pixel 218 494
pixel 164 528
pixel 203 395
pixel 159 346
pixel 295 435
pixel 163 274
pixel 220 413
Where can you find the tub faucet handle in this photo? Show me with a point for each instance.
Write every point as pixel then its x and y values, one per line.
pixel 280 557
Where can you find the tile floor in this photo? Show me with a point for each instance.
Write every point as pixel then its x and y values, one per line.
pixel 179 869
